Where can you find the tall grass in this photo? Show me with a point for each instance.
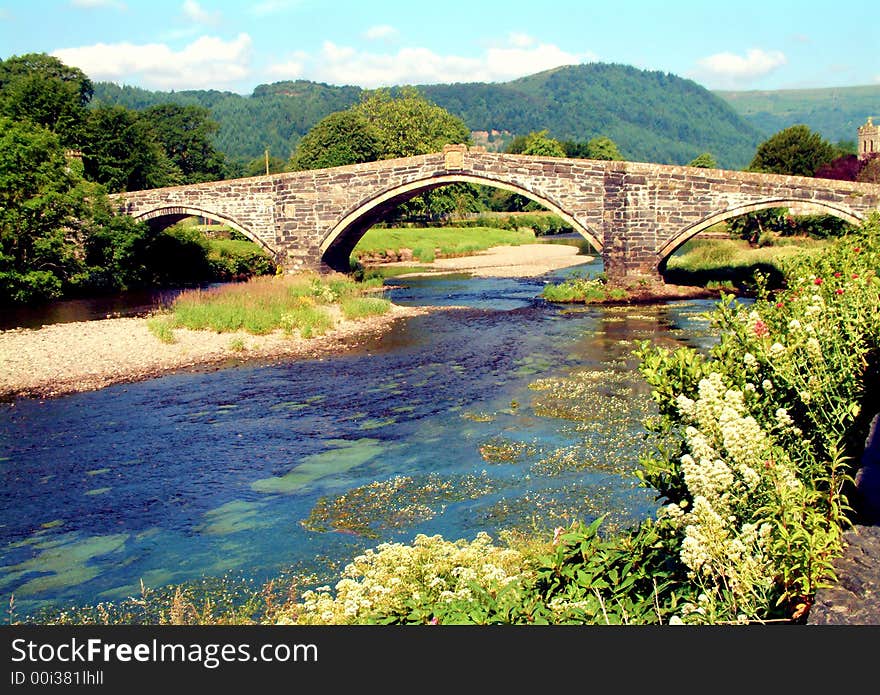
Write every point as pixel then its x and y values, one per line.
pixel 428 242
pixel 702 261
pixel 305 303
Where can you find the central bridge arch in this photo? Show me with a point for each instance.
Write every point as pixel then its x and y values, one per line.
pixel 338 244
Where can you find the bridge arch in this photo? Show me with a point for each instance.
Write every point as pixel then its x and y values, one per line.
pixel 692 230
pixel 167 215
pixel 337 245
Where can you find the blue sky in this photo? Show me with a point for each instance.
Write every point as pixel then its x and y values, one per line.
pixel 220 44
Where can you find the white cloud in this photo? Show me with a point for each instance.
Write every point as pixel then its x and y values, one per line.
pixel 207 62
pixel 520 40
pixel 732 69
pixel 414 65
pixel 195 12
pixel 92 4
pixel 382 31
pixel 267 7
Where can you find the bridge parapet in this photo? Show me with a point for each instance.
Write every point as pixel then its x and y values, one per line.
pixel 635 214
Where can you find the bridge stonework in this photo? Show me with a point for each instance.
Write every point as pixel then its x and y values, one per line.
pixel 635 214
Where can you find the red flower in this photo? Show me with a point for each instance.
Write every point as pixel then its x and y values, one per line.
pixel 837 275
pixel 855 276
pixel 839 290
pixel 857 249
pixel 779 305
pixel 817 281
pixel 761 328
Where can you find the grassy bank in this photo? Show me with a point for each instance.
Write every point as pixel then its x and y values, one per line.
pixel 427 243
pixel 733 262
pixel 304 304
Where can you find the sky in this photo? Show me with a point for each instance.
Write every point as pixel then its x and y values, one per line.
pixel 235 46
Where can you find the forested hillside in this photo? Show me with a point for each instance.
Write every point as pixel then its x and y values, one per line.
pixel 651 116
pixel 835 113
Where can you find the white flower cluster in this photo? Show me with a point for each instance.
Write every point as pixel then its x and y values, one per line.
pixel 727 452
pixel 430 571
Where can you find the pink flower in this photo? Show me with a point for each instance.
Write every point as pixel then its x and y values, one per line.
pixel 761 328
pixel 434 621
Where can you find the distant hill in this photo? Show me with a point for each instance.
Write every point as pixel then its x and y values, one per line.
pixel 834 112
pixel 652 116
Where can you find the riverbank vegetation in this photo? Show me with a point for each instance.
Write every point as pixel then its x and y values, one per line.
pixel 756 441
pixel 424 244
pixel 304 304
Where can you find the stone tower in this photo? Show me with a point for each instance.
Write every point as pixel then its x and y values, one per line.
pixel 869 139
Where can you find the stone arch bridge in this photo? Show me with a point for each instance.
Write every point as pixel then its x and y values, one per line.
pixel 635 214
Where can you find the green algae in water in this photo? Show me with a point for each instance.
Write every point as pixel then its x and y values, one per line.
pixel 98 491
pixel 376 423
pixel 53 524
pixel 345 456
pixel 502 450
pixel 396 503
pixel 63 562
pixel 290 405
pixel 98 471
pixel 233 517
pixel 478 417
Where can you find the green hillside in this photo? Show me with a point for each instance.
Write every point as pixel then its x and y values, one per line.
pixel 835 112
pixel 652 116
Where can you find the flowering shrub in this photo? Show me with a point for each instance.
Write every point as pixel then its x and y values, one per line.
pixel 431 581
pixel 762 433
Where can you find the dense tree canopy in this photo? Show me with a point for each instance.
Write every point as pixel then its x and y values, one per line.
pixel 407 124
pixel 42 90
pixel 186 134
pixel 121 151
pixel 797 151
pixel 537 143
pixel 344 137
pixel 704 161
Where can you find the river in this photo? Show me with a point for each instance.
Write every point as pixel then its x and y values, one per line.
pixel 510 413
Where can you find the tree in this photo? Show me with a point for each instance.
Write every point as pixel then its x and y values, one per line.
pixel 344 137
pixel 870 172
pixel 121 152
pixel 40 201
pixel 538 144
pixel 704 161
pixel 603 148
pixel 845 168
pixel 408 124
pixel 44 91
pixel 185 133
pixel 797 151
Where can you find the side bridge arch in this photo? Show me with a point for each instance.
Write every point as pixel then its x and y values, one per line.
pixel 689 232
pixel 164 216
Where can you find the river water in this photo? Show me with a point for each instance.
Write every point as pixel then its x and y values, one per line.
pixel 510 413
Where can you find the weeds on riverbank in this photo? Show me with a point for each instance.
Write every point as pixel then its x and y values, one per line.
pixel 585 290
pixel 304 304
